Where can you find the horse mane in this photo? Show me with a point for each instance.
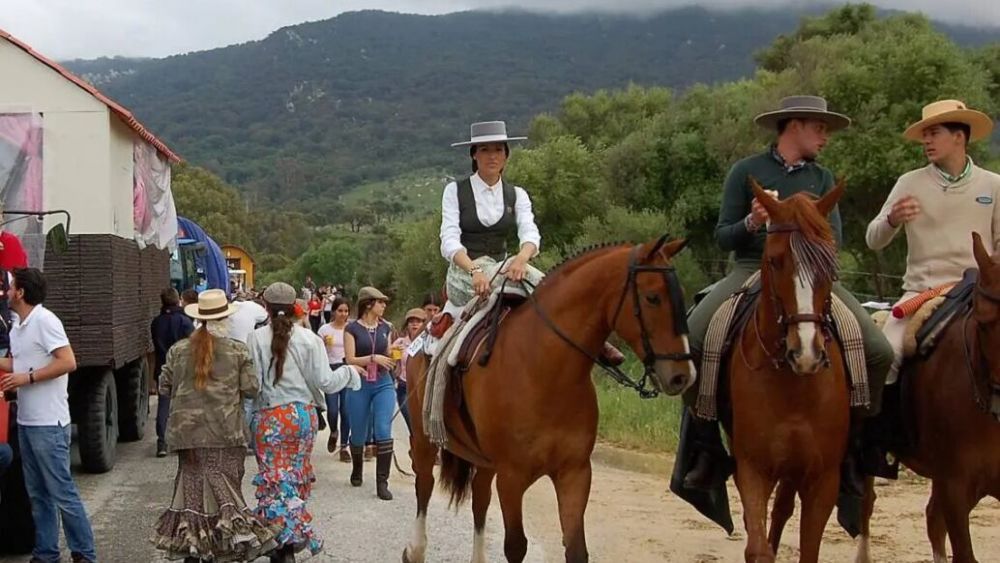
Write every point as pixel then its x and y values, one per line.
pixel 813 245
pixel 582 253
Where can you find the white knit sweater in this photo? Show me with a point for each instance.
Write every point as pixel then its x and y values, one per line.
pixel 939 239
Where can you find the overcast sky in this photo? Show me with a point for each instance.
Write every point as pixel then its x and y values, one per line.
pixel 65 29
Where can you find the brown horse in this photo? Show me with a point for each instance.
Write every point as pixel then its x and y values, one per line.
pixel 532 410
pixel 946 405
pixel 789 393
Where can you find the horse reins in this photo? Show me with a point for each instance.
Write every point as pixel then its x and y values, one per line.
pixel 650 357
pixel 983 404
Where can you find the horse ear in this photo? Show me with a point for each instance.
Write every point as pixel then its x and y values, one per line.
pixel 826 203
pixel 673 247
pixel 983 259
pixel 765 199
pixel 649 249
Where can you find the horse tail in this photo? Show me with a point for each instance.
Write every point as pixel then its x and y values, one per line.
pixel 456 477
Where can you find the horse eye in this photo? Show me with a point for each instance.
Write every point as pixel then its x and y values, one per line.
pixel 653 299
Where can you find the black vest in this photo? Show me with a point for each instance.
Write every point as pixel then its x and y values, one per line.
pixel 480 240
pixel 5 319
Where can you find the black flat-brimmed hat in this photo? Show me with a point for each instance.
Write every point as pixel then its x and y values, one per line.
pixel 803 107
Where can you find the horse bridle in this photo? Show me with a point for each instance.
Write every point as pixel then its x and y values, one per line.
pixel 824 320
pixel 982 402
pixel 650 358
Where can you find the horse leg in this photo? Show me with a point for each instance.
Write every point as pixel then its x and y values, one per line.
pixel 818 501
pixel 937 530
pixel 956 505
pixel 864 554
pixel 422 454
pixel 573 492
pixel 510 489
pixel 755 490
pixel 784 507
pixel 482 494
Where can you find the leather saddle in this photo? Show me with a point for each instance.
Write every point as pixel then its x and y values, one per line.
pixel 956 303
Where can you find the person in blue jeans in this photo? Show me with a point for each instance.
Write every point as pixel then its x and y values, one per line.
pixel 366 344
pixel 332 334
pixel 39 366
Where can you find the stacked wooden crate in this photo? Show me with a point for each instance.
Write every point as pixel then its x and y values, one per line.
pixel 106 291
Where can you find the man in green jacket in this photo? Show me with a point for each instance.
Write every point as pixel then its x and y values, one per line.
pixel 788 166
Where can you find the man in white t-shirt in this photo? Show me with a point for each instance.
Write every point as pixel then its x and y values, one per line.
pixel 248 316
pixel 39 371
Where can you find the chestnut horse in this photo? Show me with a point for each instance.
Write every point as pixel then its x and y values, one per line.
pixel 532 410
pixel 946 404
pixel 788 385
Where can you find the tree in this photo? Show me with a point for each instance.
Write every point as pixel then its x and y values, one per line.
pixel 564 182
pixel 205 199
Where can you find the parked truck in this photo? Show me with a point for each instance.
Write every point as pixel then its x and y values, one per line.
pixel 66 147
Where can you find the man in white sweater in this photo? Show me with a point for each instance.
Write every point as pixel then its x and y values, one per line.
pixel 938 207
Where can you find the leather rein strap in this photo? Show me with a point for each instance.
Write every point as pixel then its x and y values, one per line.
pixel 650 358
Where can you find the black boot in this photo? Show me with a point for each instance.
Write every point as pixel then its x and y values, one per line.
pixel 711 463
pixel 383 463
pixel 358 459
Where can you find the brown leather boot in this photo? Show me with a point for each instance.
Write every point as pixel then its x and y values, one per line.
pixel 611 356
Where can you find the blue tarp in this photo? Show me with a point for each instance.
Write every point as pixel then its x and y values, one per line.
pixel 212 264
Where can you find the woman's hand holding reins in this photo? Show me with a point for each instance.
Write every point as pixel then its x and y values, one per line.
pixel 480 284
pixel 517 269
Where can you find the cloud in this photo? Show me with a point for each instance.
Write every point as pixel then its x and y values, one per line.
pixel 91 28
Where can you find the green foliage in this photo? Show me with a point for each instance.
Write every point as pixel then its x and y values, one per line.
pixel 419 268
pixel 629 421
pixel 565 187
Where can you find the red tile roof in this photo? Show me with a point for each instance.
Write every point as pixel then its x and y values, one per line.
pixel 122 113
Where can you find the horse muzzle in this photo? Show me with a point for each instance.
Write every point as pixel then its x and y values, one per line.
pixel 673 377
pixel 810 362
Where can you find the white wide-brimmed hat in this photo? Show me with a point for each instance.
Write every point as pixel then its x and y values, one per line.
pixel 488 132
pixel 212 305
pixel 951 111
pixel 803 107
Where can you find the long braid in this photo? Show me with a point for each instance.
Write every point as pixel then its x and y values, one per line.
pixel 282 324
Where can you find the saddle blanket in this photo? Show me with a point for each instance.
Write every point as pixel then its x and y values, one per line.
pixel 447 353
pixel 718 343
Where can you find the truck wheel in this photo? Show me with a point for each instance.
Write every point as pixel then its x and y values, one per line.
pixel 98 426
pixel 133 401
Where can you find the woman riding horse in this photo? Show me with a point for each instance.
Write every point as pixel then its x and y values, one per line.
pixel 479 215
pixel 531 411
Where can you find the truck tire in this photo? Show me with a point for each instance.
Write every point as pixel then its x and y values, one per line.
pixel 133 400
pixel 98 424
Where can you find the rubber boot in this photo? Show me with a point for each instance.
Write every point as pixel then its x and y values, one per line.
pixel 383 463
pixel 358 471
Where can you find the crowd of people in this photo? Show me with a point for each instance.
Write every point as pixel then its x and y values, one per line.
pixel 255 376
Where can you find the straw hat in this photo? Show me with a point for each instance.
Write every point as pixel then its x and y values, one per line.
pixel 951 111
pixel 488 132
pixel 212 305
pixel 803 107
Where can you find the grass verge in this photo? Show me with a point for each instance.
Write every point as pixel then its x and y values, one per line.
pixel 628 421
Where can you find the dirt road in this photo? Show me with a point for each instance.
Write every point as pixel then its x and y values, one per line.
pixel 631 518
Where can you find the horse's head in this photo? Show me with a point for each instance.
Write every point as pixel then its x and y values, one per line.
pixel 986 303
pixel 798 271
pixel 656 329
